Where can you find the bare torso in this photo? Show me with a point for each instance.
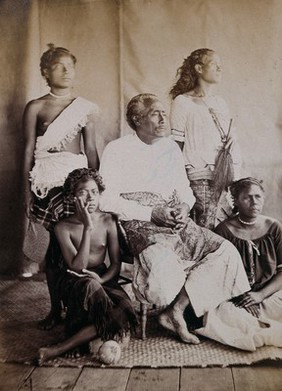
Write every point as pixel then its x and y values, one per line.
pixel 98 243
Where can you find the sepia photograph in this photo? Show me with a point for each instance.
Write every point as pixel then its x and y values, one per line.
pixel 141 185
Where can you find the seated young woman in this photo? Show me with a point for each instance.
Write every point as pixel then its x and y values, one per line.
pixel 253 319
pixel 96 305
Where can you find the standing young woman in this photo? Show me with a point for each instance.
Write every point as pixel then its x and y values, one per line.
pixel 202 126
pixel 54 126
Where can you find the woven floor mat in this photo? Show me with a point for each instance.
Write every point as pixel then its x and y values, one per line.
pixel 24 302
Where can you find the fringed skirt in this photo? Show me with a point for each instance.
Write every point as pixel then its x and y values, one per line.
pixel 87 302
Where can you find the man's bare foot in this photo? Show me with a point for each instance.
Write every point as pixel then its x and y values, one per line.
pixel 166 322
pixel 51 320
pixel 173 320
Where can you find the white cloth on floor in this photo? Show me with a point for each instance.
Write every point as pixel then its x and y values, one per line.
pixel 236 327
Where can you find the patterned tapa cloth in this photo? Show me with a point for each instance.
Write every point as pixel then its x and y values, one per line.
pixel 191 242
pixel 166 260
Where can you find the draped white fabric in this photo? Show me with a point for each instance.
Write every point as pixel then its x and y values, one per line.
pixel 130 46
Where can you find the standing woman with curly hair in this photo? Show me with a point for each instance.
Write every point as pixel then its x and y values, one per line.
pixel 202 127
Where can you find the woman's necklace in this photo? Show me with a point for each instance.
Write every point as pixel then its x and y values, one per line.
pixel 246 222
pixel 68 95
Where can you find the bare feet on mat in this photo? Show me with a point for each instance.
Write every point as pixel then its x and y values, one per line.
pixel 173 320
pixel 51 320
pixel 125 339
pixel 53 351
pixel 75 353
pixel 47 353
pixel 166 322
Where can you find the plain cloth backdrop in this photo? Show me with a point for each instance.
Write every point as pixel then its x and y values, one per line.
pixel 128 47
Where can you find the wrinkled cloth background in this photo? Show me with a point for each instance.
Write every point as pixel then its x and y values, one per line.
pixel 131 46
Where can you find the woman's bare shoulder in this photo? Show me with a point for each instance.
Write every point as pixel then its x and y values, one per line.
pixel 36 105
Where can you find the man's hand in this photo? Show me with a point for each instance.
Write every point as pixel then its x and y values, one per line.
pixel 163 216
pixel 181 214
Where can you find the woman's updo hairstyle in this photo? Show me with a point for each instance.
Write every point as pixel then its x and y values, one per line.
pixel 51 55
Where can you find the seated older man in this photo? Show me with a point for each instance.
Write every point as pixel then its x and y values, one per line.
pixel 177 263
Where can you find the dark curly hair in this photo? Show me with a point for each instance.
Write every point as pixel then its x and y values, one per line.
pixel 137 106
pixel 242 184
pixel 51 55
pixel 82 175
pixel 187 74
